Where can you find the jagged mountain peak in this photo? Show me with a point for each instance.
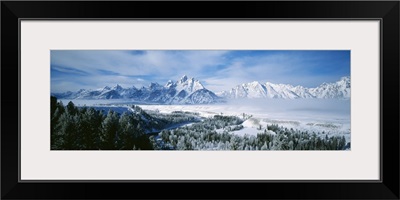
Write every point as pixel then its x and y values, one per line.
pixel 345 81
pixel 153 86
pixel 345 78
pixel 183 79
pixel 188 84
pixel 117 87
pixel 186 79
pixel 169 84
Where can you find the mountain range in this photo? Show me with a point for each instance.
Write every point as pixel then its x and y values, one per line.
pixel 336 90
pixel 191 91
pixel 184 91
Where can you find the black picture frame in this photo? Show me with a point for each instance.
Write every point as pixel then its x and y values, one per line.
pixel 386 11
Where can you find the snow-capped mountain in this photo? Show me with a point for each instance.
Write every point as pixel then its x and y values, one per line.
pixel 191 91
pixel 184 91
pixel 338 90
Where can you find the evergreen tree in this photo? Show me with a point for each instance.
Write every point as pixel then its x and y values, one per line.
pixel 109 130
pixel 66 134
pixel 127 132
pixel 90 127
pixel 71 109
pixel 264 146
pixel 56 110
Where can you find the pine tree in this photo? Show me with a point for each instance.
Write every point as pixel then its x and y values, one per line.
pixel 71 109
pixel 66 134
pixel 90 128
pixel 127 132
pixel 109 130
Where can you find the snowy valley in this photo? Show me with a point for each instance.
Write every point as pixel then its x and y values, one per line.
pixel 184 115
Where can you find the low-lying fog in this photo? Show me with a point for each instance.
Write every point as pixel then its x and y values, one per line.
pixel 327 108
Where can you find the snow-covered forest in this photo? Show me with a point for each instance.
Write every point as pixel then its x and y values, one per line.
pixel 91 128
pixel 203 136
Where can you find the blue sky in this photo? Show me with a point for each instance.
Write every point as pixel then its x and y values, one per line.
pixel 72 70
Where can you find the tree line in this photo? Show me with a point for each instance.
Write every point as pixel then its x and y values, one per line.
pixel 82 128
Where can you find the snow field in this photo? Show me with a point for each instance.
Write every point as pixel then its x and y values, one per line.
pixel 329 116
pixel 328 120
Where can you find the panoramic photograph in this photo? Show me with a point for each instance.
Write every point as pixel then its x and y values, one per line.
pixel 227 100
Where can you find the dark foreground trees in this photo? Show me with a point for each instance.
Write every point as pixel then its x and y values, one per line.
pixel 74 128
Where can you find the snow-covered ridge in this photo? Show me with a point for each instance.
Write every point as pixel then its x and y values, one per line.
pixel 255 89
pixel 191 91
pixel 184 91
